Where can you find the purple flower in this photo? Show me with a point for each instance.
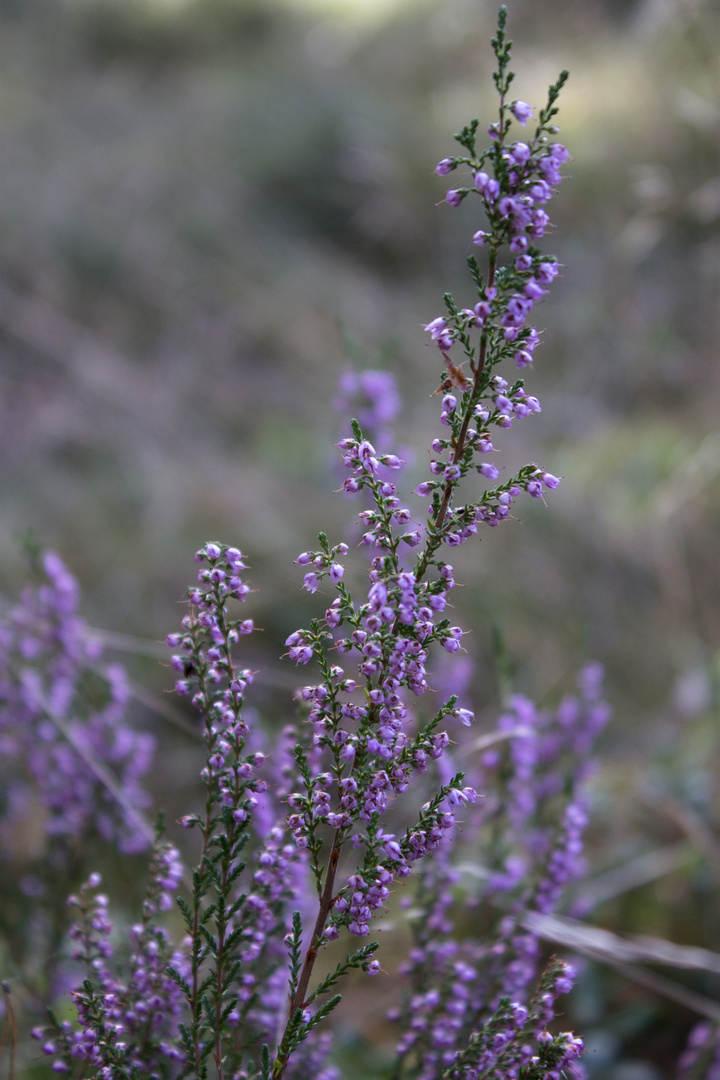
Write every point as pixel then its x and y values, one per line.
pixel 521 151
pixel 458 796
pixel 301 654
pixel 522 111
pixel 436 328
pixel 372 397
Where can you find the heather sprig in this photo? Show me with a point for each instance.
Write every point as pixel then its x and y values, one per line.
pixel 514 181
pixel 300 858
pixel 515 1042
pixel 519 846
pixel 389 634
pixel 231 912
pixel 129 1004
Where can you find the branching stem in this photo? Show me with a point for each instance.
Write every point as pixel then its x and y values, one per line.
pixel 459 449
pixel 326 900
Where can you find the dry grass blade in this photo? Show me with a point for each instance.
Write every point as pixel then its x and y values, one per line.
pixel 155 704
pixel 636 872
pixel 623 953
pixel 691 824
pixel 108 781
pixel 484 742
pixel 638 948
pixel 103 774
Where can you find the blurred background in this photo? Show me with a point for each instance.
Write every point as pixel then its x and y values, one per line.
pixel 209 209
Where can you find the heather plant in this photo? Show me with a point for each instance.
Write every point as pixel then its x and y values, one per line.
pixel 70 766
pixel 372 811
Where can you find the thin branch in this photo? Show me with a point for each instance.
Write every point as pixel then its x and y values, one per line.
pixel 275 677
pixel 103 774
pixel 155 704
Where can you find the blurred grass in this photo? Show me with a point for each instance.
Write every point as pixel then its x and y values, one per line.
pixel 201 202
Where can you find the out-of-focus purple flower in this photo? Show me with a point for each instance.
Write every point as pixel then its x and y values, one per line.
pixel 522 111
pixel 56 732
pixel 379 389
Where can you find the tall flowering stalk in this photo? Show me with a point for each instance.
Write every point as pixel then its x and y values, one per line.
pixel 514 194
pixel 312 843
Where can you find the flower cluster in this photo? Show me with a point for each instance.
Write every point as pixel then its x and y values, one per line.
pixel 242 925
pixel 514 181
pixel 701 1059
pixel 510 1042
pixel 520 847
pixel 373 397
pixel 77 753
pixel 126 1022
pixel 516 1042
pixel 365 743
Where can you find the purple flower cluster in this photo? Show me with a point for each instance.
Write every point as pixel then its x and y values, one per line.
pixel 523 840
pixel 515 1043
pixel 504 404
pixel 364 461
pixel 447 1034
pixel 124 1022
pixel 514 182
pixel 547 757
pixel 80 758
pixel 701 1059
pixel 514 198
pixel 373 397
pixel 208 637
pixel 372 751
pixel 242 816
pixel 388 638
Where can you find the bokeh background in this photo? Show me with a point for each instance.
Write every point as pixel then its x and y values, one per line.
pixel 211 208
